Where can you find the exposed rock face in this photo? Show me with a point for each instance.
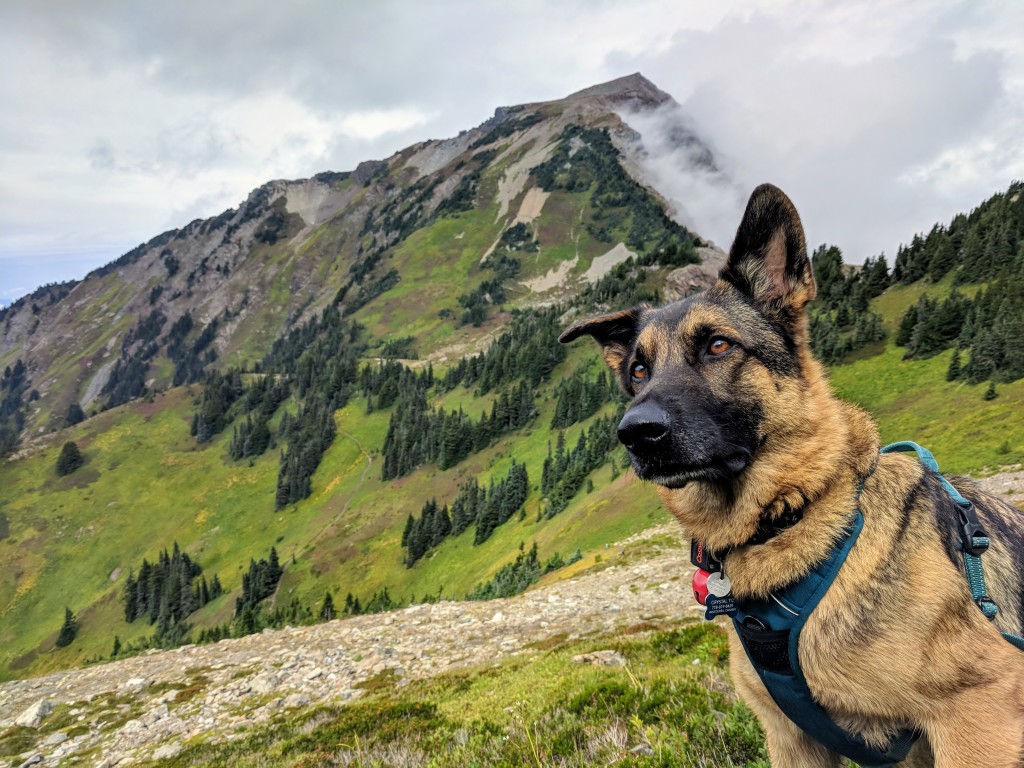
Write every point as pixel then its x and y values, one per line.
pixel 215 691
pixel 694 278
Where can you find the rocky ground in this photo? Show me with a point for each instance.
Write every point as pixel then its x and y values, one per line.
pixel 128 711
pixel 1008 486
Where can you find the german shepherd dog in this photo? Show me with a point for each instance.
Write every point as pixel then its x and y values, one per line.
pixel 733 419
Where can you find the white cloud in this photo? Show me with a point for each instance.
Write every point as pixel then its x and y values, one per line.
pixel 375 123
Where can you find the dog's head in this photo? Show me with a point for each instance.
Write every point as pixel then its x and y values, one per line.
pixel 713 375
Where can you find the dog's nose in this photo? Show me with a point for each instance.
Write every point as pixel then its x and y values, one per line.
pixel 643 426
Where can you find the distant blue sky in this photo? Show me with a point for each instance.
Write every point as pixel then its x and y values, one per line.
pixel 119 120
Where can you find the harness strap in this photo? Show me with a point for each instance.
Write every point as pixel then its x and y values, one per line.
pixel 973 537
pixel 770 630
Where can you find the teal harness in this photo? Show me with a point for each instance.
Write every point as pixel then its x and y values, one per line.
pixel 769 630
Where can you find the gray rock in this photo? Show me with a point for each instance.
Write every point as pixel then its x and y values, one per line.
pixel 264 683
pixel 134 685
pixel 157 714
pixel 34 760
pixel 133 726
pixel 607 658
pixel 54 739
pixel 167 751
pixel 33 716
pixel 297 700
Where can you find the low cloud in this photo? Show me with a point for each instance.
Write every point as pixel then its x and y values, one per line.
pixel 375 123
pixel 685 168
pixel 872 144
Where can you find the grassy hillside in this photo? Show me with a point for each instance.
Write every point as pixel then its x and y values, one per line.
pixel 146 483
pixel 911 399
pixel 405 259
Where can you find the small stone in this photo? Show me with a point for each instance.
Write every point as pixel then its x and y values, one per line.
pixel 54 739
pixel 296 700
pixel 134 685
pixel 497 618
pixel 167 751
pixel 133 726
pixel 263 683
pixel 34 760
pixel 607 658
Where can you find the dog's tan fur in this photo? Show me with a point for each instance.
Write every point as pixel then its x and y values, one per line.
pixel 897 640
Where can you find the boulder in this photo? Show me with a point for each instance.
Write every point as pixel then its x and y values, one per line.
pixel 33 716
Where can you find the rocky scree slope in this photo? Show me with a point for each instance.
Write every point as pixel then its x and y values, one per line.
pixel 150 705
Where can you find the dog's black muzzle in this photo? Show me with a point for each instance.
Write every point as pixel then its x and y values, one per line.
pixel 672 453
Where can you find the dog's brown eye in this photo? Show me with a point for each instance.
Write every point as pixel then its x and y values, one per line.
pixel 719 346
pixel 639 372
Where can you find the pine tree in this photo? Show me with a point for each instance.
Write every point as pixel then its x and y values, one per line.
pixel 68 630
pixel 70 459
pixel 327 607
pixel 74 416
pixel 117 647
pixel 953 371
pixel 990 393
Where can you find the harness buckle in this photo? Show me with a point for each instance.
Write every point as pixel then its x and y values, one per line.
pixel 973 535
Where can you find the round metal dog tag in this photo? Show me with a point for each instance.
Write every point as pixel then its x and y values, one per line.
pixel 719 585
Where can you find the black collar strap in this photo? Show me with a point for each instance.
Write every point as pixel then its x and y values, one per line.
pixel 769 528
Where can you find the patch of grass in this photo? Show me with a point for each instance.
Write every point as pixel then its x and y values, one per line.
pixel 911 400
pixel 549 643
pixel 544 710
pixel 382 681
pixel 16 740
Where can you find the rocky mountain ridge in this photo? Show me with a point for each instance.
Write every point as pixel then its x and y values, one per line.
pixel 246 275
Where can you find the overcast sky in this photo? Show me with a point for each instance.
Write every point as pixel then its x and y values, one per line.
pixel 119 120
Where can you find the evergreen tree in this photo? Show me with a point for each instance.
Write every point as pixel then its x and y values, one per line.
pixel 117 647
pixel 327 607
pixel 75 415
pixel 953 371
pixel 70 459
pixel 906 327
pixel 258 583
pixel 68 629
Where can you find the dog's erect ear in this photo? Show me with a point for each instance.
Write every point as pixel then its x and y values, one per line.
pixel 613 332
pixel 768 260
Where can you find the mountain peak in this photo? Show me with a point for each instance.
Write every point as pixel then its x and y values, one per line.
pixel 634 90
